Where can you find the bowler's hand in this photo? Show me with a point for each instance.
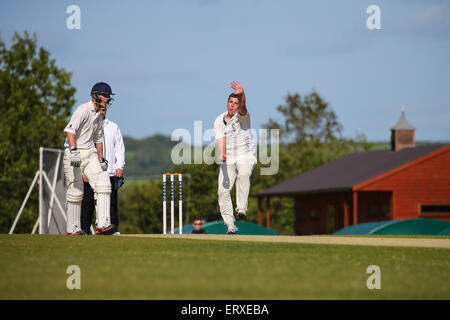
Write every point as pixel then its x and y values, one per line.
pixel 85 179
pixel 236 86
pixel 224 158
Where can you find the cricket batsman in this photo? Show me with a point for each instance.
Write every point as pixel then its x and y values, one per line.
pixel 237 152
pixel 83 155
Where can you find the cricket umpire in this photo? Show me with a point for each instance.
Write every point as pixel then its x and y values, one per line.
pixel 83 155
pixel 114 151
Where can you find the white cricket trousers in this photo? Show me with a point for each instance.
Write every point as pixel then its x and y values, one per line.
pixel 99 181
pixel 240 171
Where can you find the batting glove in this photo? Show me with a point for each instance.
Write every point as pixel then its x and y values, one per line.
pixel 75 157
pixel 103 164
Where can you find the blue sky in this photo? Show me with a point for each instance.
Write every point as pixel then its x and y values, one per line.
pixel 171 62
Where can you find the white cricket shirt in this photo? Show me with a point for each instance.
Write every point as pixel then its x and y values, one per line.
pixel 239 136
pixel 86 125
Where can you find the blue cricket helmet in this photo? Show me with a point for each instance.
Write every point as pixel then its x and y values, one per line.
pixel 102 88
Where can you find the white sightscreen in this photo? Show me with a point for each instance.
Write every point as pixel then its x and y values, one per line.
pixel 52 220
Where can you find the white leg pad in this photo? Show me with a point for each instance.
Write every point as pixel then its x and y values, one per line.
pixel 102 194
pixel 103 210
pixel 73 216
pixel 102 183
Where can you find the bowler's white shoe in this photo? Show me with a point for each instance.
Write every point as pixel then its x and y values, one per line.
pixel 232 230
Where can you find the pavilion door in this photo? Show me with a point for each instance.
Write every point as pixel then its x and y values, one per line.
pixel 335 218
pixel 331 219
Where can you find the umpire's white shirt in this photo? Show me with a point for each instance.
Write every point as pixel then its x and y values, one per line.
pixel 86 125
pixel 113 148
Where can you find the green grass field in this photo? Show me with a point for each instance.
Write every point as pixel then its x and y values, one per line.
pixel 394 236
pixel 34 267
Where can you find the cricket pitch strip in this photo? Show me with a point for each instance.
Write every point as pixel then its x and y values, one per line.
pixel 324 240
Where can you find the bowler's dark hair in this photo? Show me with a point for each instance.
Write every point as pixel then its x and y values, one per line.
pixel 233 95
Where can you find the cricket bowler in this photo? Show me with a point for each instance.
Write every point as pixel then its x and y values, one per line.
pixel 237 152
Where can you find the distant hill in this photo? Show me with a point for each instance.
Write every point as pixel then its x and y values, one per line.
pixel 148 156
pixel 151 156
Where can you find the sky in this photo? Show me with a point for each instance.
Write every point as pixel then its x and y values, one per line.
pixel 171 63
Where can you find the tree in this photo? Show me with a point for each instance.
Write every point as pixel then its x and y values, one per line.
pixel 36 98
pixel 307 119
pixel 312 133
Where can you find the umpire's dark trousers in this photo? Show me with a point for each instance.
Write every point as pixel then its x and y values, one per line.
pixel 88 206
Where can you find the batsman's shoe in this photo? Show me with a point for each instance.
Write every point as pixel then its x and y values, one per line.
pixel 241 216
pixel 233 230
pixel 77 233
pixel 106 230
